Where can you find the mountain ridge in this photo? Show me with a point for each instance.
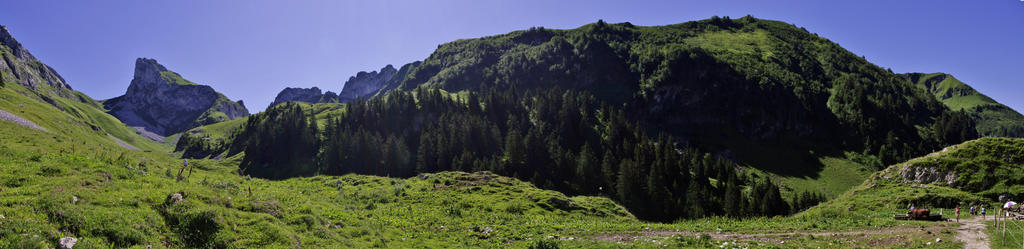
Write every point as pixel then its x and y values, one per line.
pixel 993 118
pixel 362 85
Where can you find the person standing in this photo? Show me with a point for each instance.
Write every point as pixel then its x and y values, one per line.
pixel 957 213
pixel 983 212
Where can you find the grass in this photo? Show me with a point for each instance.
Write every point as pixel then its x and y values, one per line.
pixel 953 92
pixel 836 177
pixel 176 79
pixel 992 118
pixel 108 196
pixel 1014 237
pixel 78 121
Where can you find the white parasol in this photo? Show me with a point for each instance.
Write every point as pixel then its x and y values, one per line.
pixel 1009 204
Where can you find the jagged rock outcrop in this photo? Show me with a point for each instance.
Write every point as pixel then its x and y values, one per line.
pixel 308 95
pixel 365 84
pixel 18 65
pixel 163 102
pixel 927 175
pixel 399 77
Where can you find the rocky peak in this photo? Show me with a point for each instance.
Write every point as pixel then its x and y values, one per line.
pixel 20 66
pixel 148 74
pixel 365 84
pixel 308 95
pixel 163 102
pixel 8 40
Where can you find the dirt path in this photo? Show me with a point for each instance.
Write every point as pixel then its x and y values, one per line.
pixel 627 236
pixel 972 233
pixel 122 143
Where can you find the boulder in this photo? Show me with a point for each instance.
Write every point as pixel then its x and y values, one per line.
pixel 67 242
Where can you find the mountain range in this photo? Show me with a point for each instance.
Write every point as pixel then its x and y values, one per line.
pixel 605 127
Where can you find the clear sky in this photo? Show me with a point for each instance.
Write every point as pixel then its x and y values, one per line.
pixel 251 50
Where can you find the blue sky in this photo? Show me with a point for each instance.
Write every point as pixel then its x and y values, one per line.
pixel 250 50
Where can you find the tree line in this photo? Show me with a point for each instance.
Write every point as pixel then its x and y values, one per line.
pixel 557 139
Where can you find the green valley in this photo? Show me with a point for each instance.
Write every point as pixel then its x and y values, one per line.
pixel 722 132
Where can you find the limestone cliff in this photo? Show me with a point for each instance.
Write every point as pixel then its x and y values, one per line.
pixel 163 102
pixel 307 95
pixel 364 85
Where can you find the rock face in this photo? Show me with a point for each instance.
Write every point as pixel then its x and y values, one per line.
pixel 68 242
pixel 18 65
pixel 927 175
pixel 365 85
pixel 308 95
pixel 163 102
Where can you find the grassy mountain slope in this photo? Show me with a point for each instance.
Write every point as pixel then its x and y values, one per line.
pixel 107 196
pixel 213 139
pixel 977 171
pixel 748 89
pixel 992 118
pixel 55 106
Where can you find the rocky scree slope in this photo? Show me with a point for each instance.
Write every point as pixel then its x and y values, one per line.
pixel 163 102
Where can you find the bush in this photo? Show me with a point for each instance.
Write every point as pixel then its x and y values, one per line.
pixel 197 228
pixel 544 244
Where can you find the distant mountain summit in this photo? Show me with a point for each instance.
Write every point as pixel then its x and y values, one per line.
pixel 18 65
pixel 992 118
pixel 364 84
pixel 163 102
pixel 308 95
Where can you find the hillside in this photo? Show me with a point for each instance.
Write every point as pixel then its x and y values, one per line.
pixel 746 89
pixel 991 117
pixel 588 161
pixel 984 171
pixel 162 102
pixel 574 110
pixel 111 197
pixel 32 91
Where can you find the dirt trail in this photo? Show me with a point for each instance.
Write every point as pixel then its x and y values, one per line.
pixel 122 143
pixel 626 236
pixel 972 233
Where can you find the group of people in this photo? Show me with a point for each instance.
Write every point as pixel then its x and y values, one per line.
pixel 974 210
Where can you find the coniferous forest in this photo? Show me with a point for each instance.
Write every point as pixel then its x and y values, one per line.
pixel 615 110
pixel 550 138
